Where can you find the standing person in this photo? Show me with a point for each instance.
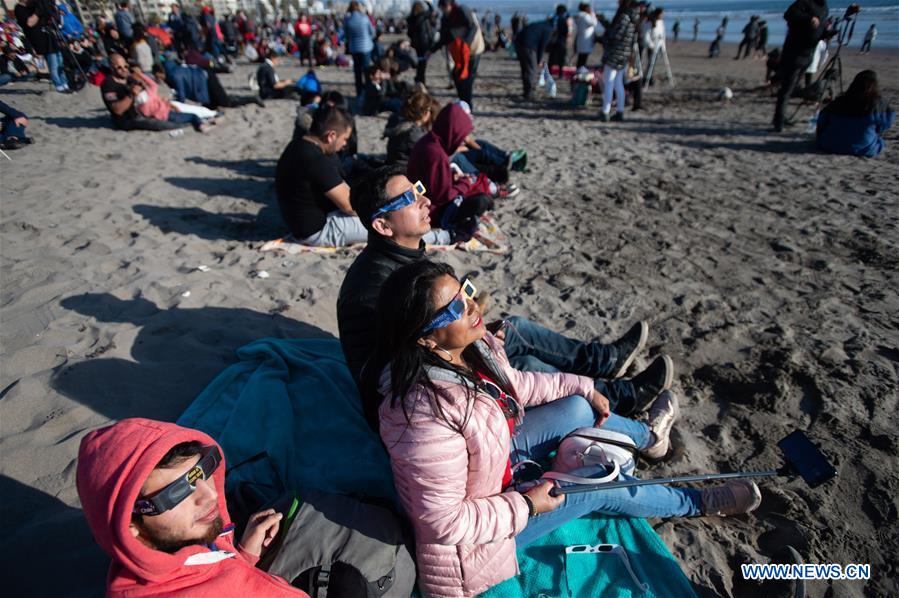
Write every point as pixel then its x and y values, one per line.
pixel 558 48
pixel 421 37
pixel 360 35
pixel 761 48
pixel 584 38
pixel 750 38
pixel 618 48
pixel 36 19
pixel 695 29
pixel 454 421
pixel 124 22
pixel 303 31
pixel 805 26
pixel 675 30
pixel 530 43
pixel 870 36
pixel 460 34
pixel 715 47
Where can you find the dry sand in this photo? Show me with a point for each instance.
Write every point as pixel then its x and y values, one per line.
pixel 767 270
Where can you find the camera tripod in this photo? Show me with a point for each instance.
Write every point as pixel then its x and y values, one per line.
pixel 659 50
pixel 829 83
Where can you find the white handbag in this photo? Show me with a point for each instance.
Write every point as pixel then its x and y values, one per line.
pixel 593 447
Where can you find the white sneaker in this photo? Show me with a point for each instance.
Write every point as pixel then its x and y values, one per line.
pixel 663 412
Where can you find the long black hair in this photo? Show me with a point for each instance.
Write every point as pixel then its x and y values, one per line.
pixel 405 306
pixel 862 98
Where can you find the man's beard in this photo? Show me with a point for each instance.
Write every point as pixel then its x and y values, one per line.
pixel 172 545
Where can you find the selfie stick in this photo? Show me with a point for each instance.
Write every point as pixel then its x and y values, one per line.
pixel 673 480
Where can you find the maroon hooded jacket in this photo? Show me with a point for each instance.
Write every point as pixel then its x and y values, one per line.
pixel 113 464
pixel 429 161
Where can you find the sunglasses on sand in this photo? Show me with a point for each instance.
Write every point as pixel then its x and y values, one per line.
pixel 454 309
pixel 172 495
pixel 401 201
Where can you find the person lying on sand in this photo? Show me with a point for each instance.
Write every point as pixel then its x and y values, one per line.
pixel 398 225
pixel 123 92
pixel 153 494
pixel 450 404
pixel 197 85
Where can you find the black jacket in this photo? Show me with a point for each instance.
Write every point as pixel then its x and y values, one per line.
pixel 618 42
pixel 421 32
pixel 801 36
pixel 402 136
pixel 359 295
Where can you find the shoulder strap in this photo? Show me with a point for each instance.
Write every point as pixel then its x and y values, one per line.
pixel 565 477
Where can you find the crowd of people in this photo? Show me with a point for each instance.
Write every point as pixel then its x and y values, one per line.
pixel 464 407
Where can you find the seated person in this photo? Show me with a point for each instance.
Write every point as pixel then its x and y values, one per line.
pixel 450 402
pixel 379 94
pixel 153 494
pixel 457 199
pixel 151 105
pixel 313 197
pixel 141 52
pixel 120 91
pixel 406 127
pixel 198 85
pixel 855 122
pixel 12 128
pixel 270 85
pixel 309 103
pixel 397 238
pixel 475 156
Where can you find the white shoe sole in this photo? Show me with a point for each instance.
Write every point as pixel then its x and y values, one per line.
pixel 644 335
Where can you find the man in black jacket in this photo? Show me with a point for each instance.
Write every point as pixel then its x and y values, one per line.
pixel 38 20
pixel 530 44
pixel 396 223
pixel 805 26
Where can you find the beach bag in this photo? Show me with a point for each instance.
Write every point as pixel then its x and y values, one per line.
pixel 309 82
pixel 595 447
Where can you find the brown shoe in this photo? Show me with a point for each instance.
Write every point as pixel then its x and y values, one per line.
pixel 733 498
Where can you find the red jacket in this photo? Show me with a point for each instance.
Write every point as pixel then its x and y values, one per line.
pixel 113 464
pixel 429 161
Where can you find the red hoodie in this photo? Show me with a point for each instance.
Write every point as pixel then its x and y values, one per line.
pixel 429 161
pixel 113 464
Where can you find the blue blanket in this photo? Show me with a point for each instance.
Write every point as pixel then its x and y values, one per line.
pixel 295 401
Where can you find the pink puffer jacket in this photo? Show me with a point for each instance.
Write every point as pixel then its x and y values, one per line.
pixel 450 483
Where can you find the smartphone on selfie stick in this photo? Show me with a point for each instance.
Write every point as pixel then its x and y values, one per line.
pixel 801 457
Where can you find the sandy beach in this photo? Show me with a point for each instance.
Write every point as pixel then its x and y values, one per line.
pixel 767 270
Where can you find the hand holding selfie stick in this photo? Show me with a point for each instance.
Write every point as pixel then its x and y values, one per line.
pixel 800 457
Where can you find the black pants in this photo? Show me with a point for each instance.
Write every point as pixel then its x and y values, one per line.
pixel 636 90
pixel 746 43
pixel 459 218
pixel 558 56
pixel 218 97
pixel 421 70
pixel 527 59
pixel 791 69
pixel 582 59
pixel 465 87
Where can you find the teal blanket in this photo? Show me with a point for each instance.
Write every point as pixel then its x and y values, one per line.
pixel 295 401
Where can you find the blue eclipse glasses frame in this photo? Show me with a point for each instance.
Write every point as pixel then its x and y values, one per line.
pixel 173 494
pixel 453 310
pixel 401 201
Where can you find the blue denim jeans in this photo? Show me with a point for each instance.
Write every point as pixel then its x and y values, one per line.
pixel 533 348
pixel 11 129
pixel 185 118
pixel 57 75
pixel 488 154
pixel 540 433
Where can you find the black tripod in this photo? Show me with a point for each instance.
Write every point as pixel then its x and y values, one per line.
pixel 829 82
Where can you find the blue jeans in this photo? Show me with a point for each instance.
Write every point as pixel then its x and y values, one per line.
pixel 11 129
pixel 533 348
pixel 57 75
pixel 540 433
pixel 464 164
pixel 185 118
pixel 488 154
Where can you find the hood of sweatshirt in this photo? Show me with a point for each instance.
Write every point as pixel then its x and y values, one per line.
pixel 451 127
pixel 113 464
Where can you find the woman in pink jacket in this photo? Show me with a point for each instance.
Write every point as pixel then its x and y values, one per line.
pixel 454 423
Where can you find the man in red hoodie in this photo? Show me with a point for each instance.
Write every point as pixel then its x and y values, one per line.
pixel 184 543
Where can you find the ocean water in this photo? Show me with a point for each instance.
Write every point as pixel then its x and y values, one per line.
pixel 883 13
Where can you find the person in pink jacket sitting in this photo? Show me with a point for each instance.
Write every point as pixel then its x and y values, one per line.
pixel 454 421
